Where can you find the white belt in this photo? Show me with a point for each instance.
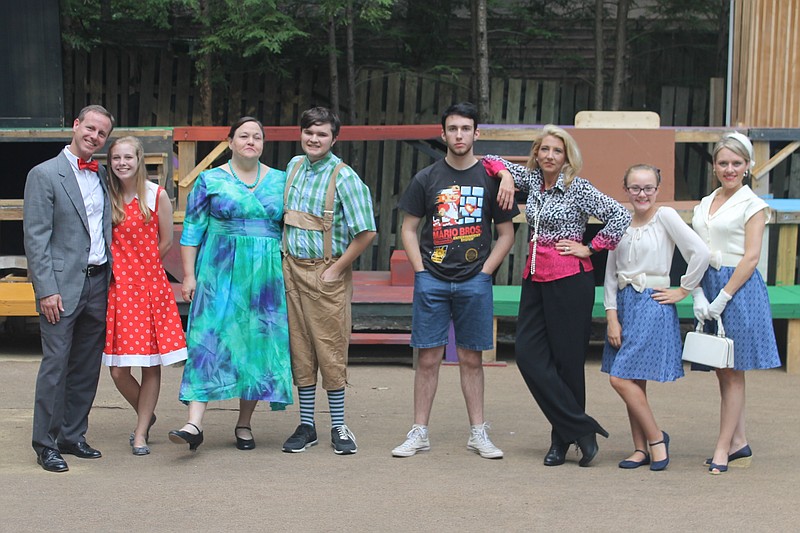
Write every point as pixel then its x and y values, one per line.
pixel 720 259
pixel 642 281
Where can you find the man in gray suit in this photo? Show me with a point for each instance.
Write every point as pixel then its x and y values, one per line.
pixel 67 224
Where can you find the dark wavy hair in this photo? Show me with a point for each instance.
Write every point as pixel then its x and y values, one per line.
pixel 318 116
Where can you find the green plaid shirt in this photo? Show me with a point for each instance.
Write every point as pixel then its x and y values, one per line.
pixel 352 209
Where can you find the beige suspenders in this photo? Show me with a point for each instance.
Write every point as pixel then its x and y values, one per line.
pixel 307 221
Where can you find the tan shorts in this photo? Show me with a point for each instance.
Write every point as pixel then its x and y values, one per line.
pixel 319 322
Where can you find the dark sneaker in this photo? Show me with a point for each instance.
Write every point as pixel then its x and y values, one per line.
pixel 343 441
pixel 303 437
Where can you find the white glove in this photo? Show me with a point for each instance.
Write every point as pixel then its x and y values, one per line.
pixel 700 305
pixel 718 305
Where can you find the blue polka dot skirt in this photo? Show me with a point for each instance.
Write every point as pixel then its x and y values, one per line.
pixel 651 339
pixel 747 320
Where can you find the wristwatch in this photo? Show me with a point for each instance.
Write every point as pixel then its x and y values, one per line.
pixel 591 248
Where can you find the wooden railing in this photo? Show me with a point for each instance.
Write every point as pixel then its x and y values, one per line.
pixel 395 153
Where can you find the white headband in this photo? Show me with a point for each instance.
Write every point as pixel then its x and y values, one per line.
pixel 742 138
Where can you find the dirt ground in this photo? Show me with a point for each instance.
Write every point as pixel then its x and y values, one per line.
pixel 447 489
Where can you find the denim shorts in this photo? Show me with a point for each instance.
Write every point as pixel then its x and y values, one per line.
pixel 468 303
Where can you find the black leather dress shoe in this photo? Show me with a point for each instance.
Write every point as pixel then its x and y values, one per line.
pixel 51 460
pixel 81 449
pixel 556 455
pixel 589 448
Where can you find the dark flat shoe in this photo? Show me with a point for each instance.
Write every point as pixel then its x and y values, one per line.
pixel 629 464
pixel 147 435
pixel 140 450
pixel 657 466
pixel 184 437
pixel 244 444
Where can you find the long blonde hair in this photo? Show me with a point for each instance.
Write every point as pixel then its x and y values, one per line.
pixel 115 185
pixel 573 162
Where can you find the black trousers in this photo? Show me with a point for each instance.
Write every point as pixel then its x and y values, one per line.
pixel 553 330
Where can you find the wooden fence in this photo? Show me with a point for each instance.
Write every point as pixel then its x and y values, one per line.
pixel 149 87
pixel 157 88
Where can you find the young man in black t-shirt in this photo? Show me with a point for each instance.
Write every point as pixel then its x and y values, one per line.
pixel 453 259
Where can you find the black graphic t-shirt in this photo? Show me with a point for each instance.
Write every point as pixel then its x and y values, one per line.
pixel 457 208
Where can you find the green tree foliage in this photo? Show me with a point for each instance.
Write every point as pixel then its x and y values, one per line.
pixel 90 23
pixel 243 27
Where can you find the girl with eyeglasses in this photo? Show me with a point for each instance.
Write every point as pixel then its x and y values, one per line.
pixel 643 340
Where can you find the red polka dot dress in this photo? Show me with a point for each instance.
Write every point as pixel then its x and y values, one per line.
pixel 143 327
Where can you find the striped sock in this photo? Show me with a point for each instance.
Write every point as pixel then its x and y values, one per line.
pixel 336 404
pixel 307 397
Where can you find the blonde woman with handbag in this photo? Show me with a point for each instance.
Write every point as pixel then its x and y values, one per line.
pixel 731 221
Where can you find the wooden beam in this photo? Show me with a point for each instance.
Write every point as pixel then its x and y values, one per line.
pixel 17 299
pixel 787 254
pixel 292 133
pixel 760 154
pixel 764 168
pixel 700 135
pixel 187 157
pixel 64 134
pixel 10 209
pixel 187 180
pixel 793 347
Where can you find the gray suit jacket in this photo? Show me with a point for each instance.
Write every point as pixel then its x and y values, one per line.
pixel 56 230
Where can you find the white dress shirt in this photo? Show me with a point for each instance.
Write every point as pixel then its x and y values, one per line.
pixel 93 201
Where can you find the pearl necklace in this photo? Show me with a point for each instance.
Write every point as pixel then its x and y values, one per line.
pixel 251 187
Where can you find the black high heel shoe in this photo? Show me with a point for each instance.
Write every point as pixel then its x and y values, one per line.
pixel 179 436
pixel 588 447
pixel 244 444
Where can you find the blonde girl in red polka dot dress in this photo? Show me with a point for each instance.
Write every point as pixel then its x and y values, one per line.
pixel 143 327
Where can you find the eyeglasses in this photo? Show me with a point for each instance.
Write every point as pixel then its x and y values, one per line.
pixel 649 190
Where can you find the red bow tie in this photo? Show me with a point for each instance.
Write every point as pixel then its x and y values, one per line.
pixel 91 165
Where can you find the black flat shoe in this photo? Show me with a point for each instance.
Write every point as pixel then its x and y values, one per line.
pixel 51 460
pixel 244 444
pixel 588 447
pixel 194 440
pixel 556 455
pixel 81 449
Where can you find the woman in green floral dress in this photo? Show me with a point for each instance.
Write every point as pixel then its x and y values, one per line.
pixel 237 335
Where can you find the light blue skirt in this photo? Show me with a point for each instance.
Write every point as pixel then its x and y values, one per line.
pixel 651 339
pixel 747 320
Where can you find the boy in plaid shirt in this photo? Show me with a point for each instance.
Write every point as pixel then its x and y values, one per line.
pixel 329 222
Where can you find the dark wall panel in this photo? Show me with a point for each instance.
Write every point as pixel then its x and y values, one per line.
pixel 31 87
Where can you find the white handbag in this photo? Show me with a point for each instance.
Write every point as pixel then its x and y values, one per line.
pixel 708 349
